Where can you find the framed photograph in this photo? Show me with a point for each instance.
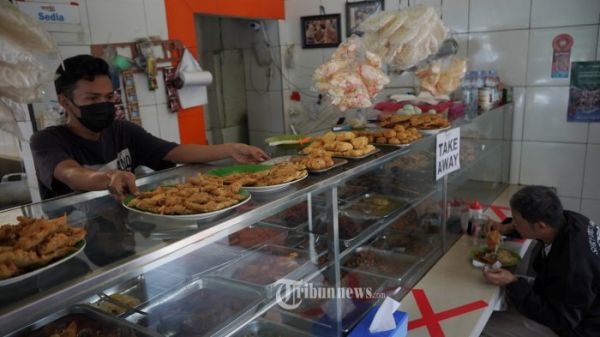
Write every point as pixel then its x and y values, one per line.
pixel 357 12
pixel 321 31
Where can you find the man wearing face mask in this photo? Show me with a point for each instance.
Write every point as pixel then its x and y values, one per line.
pixel 93 151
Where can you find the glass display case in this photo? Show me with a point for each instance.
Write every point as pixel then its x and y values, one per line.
pixel 375 225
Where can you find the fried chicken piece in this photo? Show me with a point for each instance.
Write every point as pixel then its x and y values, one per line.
pixel 21 258
pixel 8 269
pixel 359 142
pixel 62 239
pixel 32 234
pixel 9 233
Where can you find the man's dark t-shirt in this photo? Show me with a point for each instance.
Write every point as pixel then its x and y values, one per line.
pixel 123 146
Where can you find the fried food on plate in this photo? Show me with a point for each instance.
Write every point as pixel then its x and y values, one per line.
pixel 34 243
pixel 200 194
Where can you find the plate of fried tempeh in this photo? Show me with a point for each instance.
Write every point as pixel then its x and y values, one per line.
pixel 35 245
pixel 200 197
pixel 262 178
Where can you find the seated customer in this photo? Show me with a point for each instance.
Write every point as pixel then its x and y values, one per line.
pixel 564 299
pixel 93 151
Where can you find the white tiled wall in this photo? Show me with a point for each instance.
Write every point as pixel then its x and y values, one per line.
pixel 486 15
pixel 556 13
pixel 505 51
pixel 560 165
pixel 545 117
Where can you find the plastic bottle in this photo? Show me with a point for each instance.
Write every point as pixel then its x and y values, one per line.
pixel 294 110
pixel 473 221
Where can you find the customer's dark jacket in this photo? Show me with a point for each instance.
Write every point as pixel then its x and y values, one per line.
pixel 566 293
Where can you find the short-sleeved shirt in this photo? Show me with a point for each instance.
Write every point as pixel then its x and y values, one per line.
pixel 122 146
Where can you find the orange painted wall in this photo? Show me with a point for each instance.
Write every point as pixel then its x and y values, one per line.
pixel 181 25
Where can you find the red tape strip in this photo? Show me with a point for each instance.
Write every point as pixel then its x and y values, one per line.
pixel 432 320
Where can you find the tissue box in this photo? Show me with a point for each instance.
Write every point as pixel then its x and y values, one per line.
pixel 362 328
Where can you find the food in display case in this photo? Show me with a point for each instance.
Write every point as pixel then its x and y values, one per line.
pixel 380 262
pixel 398 135
pixel 414 161
pixel 266 265
pixel 36 242
pixel 254 236
pixel 292 217
pixel 421 122
pixel 341 144
pixel 407 220
pixel 200 194
pixel 118 303
pixel 350 228
pixel 404 242
pixel 81 320
pixel 373 205
pixel 200 308
pixel 347 192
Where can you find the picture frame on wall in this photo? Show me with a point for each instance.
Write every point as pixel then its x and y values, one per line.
pixel 321 31
pixel 357 12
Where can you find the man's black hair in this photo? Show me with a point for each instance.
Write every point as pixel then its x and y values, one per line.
pixel 538 204
pixel 76 68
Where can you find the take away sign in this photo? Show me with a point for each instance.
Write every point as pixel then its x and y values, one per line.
pixel 447 152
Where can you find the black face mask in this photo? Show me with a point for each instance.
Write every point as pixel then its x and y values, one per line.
pixel 97 117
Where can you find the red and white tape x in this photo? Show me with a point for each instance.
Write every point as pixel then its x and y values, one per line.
pixel 432 319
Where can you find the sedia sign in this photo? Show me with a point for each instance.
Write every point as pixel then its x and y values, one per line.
pixel 45 12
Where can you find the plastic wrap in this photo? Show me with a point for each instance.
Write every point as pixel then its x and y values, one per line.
pixel 352 77
pixel 24 31
pixel 406 37
pixel 442 77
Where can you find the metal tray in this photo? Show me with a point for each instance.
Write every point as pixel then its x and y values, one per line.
pixel 293 217
pixel 349 192
pixel 398 265
pixel 135 287
pixel 258 259
pixel 202 261
pixel 320 228
pixel 179 313
pixel 265 328
pixel 395 205
pixel 405 242
pixel 84 312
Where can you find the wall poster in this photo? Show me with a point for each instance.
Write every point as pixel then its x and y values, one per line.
pixel 561 56
pixel 584 92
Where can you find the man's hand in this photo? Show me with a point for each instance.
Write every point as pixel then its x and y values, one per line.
pixel 243 153
pixel 121 183
pixel 499 277
pixel 503 228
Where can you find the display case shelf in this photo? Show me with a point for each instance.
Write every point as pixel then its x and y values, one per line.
pixel 122 245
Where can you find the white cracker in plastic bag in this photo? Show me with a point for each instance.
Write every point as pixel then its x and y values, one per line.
pixel 377 21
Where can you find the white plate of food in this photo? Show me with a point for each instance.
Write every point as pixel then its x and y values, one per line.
pixel 271 188
pixel 79 245
pixel 269 178
pixel 195 216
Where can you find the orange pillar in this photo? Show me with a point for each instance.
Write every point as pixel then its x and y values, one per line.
pixel 181 25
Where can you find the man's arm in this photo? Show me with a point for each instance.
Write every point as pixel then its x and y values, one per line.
pixel 80 178
pixel 194 153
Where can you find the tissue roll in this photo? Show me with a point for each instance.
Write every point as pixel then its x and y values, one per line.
pixel 191 78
